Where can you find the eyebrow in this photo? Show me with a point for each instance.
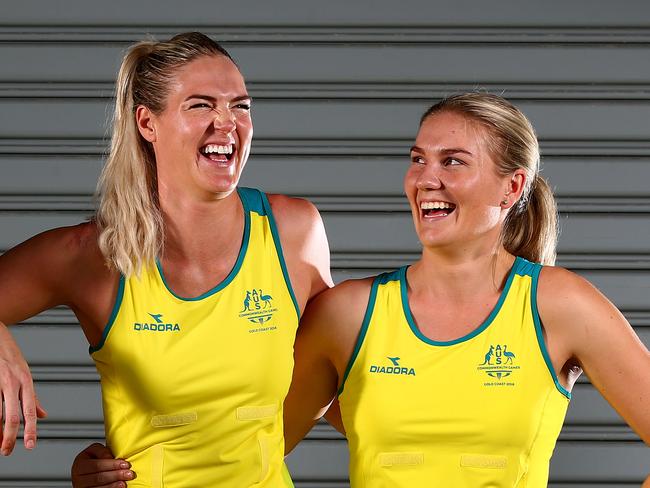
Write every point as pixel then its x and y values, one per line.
pixel 451 150
pixel 212 99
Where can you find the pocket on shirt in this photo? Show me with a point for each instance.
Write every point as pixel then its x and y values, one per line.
pixel 398 468
pixel 486 470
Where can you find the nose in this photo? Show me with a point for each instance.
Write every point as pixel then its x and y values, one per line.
pixel 224 121
pixel 429 178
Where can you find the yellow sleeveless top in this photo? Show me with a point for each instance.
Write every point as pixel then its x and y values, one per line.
pixel 193 387
pixel 484 410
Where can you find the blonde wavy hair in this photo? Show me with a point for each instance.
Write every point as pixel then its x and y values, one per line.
pixel 530 229
pixel 128 217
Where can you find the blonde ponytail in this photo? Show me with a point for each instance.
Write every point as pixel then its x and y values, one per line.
pixel 129 219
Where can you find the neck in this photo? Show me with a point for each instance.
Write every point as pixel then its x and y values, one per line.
pixel 201 230
pixel 459 275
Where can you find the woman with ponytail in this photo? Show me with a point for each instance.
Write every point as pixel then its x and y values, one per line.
pixel 187 287
pixel 457 370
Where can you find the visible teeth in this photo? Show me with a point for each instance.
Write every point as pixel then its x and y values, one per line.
pixel 435 205
pixel 215 148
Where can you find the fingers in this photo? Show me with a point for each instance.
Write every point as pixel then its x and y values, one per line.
pixel 11 418
pixel 41 413
pixel 28 401
pixel 106 479
pixel 94 467
pixel 87 466
pixel 16 395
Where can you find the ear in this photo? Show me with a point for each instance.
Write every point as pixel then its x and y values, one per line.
pixel 514 188
pixel 145 121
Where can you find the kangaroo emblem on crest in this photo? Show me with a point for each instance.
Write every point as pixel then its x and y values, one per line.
pixel 488 356
pixel 247 302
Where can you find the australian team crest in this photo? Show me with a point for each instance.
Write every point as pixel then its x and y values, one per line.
pixel 257 306
pixel 499 363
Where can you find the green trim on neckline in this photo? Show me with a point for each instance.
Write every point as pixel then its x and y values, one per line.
pixel 233 272
pixel 362 331
pixel 540 333
pixel 111 319
pixel 486 323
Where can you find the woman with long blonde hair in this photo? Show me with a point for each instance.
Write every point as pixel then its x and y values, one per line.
pixel 188 288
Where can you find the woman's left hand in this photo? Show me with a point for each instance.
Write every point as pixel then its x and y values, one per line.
pixel 96 466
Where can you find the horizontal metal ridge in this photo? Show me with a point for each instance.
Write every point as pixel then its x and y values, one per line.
pixel 315 33
pixel 72 373
pixel 332 203
pixel 578 262
pixel 352 90
pixel 329 147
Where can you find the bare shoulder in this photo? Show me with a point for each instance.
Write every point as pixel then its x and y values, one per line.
pixel 576 313
pixel 56 247
pixel 335 316
pixel 305 245
pixel 563 294
pixel 342 300
pixel 297 214
pixel 43 271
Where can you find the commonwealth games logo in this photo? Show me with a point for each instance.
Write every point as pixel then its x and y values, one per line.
pixel 499 363
pixel 257 306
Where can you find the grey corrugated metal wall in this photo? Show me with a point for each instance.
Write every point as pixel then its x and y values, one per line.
pixel 338 90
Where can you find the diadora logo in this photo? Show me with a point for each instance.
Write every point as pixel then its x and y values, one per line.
pixel 499 363
pixel 158 325
pixel 258 308
pixel 394 368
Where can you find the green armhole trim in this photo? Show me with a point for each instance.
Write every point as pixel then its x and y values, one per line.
pixel 540 334
pixel 111 319
pixel 278 248
pixel 362 332
pixel 486 323
pixel 233 272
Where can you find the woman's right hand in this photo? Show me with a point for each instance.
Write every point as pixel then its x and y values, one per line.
pixel 96 466
pixel 18 395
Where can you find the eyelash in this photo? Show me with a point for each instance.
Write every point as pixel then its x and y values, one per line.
pixel 446 162
pixel 241 106
pixel 417 160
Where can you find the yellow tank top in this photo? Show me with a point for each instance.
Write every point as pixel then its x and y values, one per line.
pixel 484 410
pixel 193 387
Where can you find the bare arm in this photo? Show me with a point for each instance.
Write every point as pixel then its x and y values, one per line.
pixel 592 331
pixel 324 344
pixel 33 278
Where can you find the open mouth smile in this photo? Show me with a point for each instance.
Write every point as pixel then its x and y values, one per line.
pixel 218 153
pixel 436 209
